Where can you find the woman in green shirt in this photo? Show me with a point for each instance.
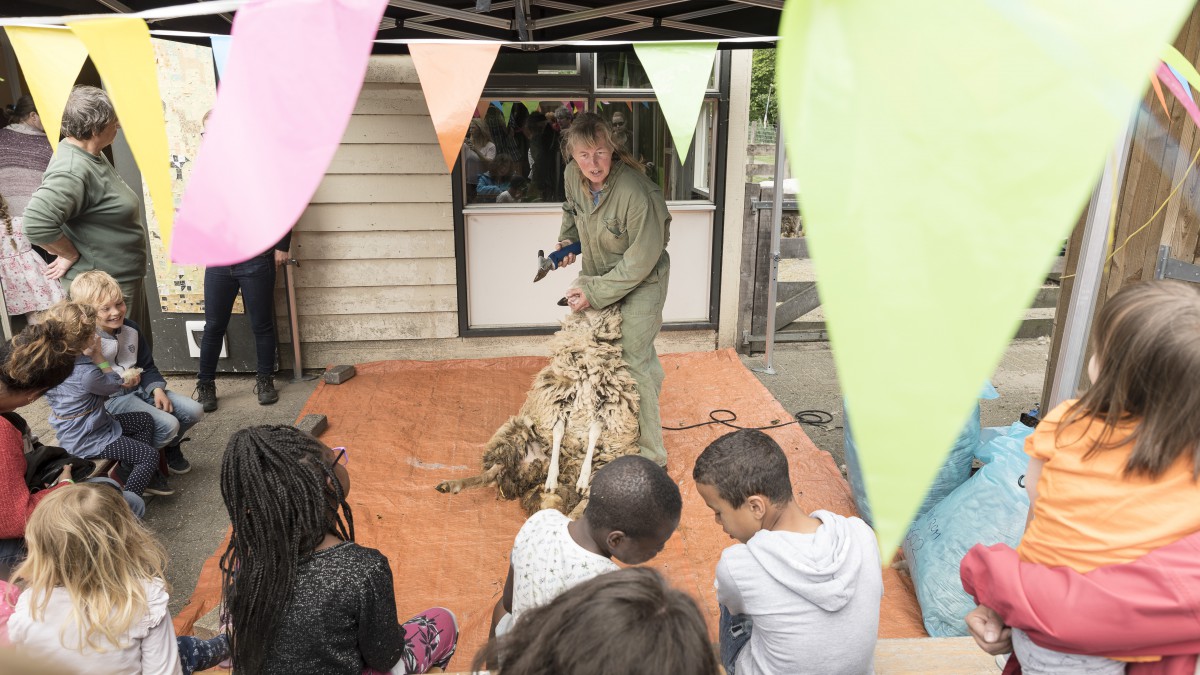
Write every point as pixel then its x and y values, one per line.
pixel 620 218
pixel 84 213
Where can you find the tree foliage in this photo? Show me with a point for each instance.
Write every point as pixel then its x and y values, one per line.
pixel 762 86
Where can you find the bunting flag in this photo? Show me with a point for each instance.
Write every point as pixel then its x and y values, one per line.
pixel 120 47
pixel 1182 81
pixel 531 106
pixel 220 52
pixel 506 108
pixel 940 182
pixel 1181 67
pixel 1179 89
pixel 256 172
pixel 452 78
pixel 679 73
pixel 1162 100
pixel 50 59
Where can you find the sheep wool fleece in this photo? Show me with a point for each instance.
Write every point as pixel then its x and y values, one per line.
pixel 624 239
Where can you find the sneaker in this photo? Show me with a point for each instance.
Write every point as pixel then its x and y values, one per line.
pixel 264 386
pixel 206 394
pixel 176 462
pixel 120 472
pixel 158 486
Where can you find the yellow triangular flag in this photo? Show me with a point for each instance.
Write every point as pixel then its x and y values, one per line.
pixel 50 59
pixel 120 48
pixel 679 72
pixel 452 78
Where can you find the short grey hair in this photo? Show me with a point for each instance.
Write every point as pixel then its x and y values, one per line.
pixel 89 111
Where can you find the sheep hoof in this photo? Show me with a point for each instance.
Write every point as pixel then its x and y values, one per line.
pixel 584 489
pixel 448 486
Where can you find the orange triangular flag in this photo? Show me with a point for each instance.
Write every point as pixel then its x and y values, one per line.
pixel 452 77
pixel 1158 90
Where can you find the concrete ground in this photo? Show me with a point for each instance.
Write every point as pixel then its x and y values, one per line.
pixel 193 523
pixel 806 379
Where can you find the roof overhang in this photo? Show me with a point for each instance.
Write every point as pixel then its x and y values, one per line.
pixel 515 21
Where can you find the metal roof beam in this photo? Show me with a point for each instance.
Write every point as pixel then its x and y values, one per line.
pixel 428 18
pixel 769 4
pixel 439 30
pixel 115 6
pixel 449 13
pixel 705 12
pixel 601 12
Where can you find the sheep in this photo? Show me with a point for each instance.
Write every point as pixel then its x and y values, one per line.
pixel 583 406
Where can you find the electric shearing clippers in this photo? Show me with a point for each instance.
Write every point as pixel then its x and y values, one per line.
pixel 549 262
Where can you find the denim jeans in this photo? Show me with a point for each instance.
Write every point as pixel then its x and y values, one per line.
pixel 196 654
pixel 169 427
pixel 735 633
pixel 255 278
pixel 136 504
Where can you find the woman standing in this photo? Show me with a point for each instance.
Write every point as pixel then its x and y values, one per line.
pixel 255 279
pixel 620 218
pixel 83 211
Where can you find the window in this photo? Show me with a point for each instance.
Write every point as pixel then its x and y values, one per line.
pixel 512 153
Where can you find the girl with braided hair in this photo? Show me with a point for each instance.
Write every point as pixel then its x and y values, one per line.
pixel 300 595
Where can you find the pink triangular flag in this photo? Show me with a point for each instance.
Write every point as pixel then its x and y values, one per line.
pixel 269 141
pixel 452 77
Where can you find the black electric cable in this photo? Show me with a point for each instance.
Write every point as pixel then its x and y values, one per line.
pixel 813 417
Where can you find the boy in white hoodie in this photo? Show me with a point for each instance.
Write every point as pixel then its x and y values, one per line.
pixel 800 593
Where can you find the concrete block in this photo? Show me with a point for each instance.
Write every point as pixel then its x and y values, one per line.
pixel 313 424
pixel 339 374
pixel 209 625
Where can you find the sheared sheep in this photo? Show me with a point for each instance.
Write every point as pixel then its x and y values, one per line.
pixel 583 406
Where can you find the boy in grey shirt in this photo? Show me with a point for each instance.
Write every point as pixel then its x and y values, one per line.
pixel 800 593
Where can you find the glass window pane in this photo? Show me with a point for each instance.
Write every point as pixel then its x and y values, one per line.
pixel 640 128
pixel 622 70
pixel 511 153
pixel 535 63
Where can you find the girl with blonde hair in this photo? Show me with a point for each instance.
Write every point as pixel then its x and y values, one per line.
pixel 94 596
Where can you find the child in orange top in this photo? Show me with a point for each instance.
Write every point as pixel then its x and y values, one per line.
pixel 1113 475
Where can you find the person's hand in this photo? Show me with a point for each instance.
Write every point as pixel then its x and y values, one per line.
pixel 281 257
pixel 162 401
pixel 570 256
pixel 57 268
pixel 989 631
pixel 133 382
pixel 577 301
pixel 64 475
pixel 92 351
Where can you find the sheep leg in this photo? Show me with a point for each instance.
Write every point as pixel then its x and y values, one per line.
pixel 585 473
pixel 455 486
pixel 560 429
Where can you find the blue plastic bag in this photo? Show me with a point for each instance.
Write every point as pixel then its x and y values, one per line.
pixel 955 470
pixel 990 508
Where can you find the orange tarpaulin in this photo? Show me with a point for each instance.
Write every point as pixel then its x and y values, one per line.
pixel 409 424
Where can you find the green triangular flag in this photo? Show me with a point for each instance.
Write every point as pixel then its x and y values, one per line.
pixel 506 108
pixel 943 151
pixel 531 106
pixel 679 72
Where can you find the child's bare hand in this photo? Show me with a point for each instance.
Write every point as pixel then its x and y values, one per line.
pixel 132 382
pixel 93 349
pixel 162 401
pixel 989 631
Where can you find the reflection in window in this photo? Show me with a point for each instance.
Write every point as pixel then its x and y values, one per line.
pixel 623 70
pixel 512 153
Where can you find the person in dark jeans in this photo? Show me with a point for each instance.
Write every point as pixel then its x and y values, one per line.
pixel 255 278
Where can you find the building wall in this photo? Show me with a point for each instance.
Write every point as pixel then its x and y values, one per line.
pixel 376 246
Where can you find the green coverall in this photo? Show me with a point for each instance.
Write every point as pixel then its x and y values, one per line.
pixel 624 240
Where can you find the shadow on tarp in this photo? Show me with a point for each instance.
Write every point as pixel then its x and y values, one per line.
pixel 409 424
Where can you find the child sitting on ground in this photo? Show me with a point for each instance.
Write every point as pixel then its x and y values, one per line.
pixel 1113 475
pixel 301 596
pixel 94 597
pixel 799 593
pixel 629 622
pixel 85 428
pixel 125 348
pixel 632 511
